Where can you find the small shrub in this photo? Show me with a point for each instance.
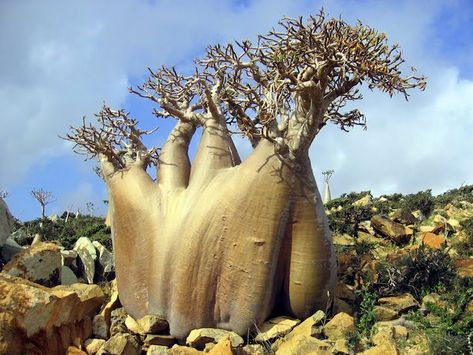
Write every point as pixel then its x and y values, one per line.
pixel 422 201
pixel 454 196
pixel 347 219
pixel 364 311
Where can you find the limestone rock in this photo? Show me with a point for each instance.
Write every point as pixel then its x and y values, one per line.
pixel 92 346
pixel 363 201
pixel 253 349
pixel 157 350
pixel 304 345
pixel 118 318
pixel 100 327
pixel 433 241
pixel 6 222
pixel 40 263
pixel 400 304
pixel 152 324
pixel 343 239
pixel 384 313
pixel 113 304
pixel 199 337
pixel 162 340
pixel 312 326
pixel 120 344
pixel 10 249
pixel 339 326
pixel 223 347
pixel 340 306
pixel 464 267
pixel 402 216
pixel 47 319
pixel 394 231
pixel 275 328
pixel 87 256
pixel 345 292
pixel 67 276
pixel 183 350
pixel 132 325
pixel 73 350
pixel 383 349
pixel 105 262
pixel 69 259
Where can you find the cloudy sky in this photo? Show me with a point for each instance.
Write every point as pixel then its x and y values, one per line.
pixel 60 60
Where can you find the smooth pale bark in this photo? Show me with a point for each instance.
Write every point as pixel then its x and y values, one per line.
pixel 225 249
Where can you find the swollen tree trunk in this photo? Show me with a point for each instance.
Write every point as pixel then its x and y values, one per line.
pixel 219 243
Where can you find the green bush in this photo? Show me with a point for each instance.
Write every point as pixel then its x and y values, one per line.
pixel 67 234
pixel 454 196
pixel 347 219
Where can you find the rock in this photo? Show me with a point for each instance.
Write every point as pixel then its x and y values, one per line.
pixel 400 304
pixel 10 249
pixel 341 347
pixel 464 267
pixel 157 350
pixel 152 324
pixel 105 263
pixel 433 299
pixel 21 237
pixel 223 347
pixel 433 241
pixel 199 337
pixel 394 231
pixel 118 318
pixel 454 223
pixel 6 222
pixel 365 226
pixel 92 346
pixel 40 263
pixel 383 349
pixel 69 259
pixel 162 340
pixel 384 313
pixel 87 256
pixel 363 201
pixel 132 325
pixel 339 326
pixel 37 239
pixel 253 349
pixel 120 344
pixel 304 345
pixel 49 320
pixel 340 306
pixel 100 327
pixel 183 350
pixel 113 304
pixel 345 292
pixel 72 350
pixel 67 276
pixel 275 328
pixel 311 326
pixel 343 239
pixel 91 297
pixel 402 216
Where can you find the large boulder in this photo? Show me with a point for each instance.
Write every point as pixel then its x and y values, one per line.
pixel 394 231
pixel 10 249
pixel 40 320
pixel 6 222
pixel 40 263
pixel 87 256
pixel 105 265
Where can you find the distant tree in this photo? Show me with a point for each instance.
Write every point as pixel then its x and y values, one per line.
pixel 3 193
pixel 327 195
pixel 44 198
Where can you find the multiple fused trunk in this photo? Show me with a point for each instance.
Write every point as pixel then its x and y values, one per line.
pixel 219 243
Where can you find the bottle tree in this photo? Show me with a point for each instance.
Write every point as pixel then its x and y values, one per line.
pixel 221 242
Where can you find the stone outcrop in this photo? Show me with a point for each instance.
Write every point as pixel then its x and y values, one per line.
pixel 394 231
pixel 6 222
pixel 87 256
pixel 40 263
pixel 41 320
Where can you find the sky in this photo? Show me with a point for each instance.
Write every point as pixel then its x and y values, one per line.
pixel 61 60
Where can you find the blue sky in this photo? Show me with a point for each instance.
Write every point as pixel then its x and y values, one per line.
pixel 60 61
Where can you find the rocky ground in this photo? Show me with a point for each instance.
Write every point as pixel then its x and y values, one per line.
pixel 405 267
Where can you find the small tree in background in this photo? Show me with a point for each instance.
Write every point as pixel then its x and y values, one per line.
pixel 327 195
pixel 3 193
pixel 44 198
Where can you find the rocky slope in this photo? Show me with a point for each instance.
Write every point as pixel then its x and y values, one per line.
pixel 405 266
